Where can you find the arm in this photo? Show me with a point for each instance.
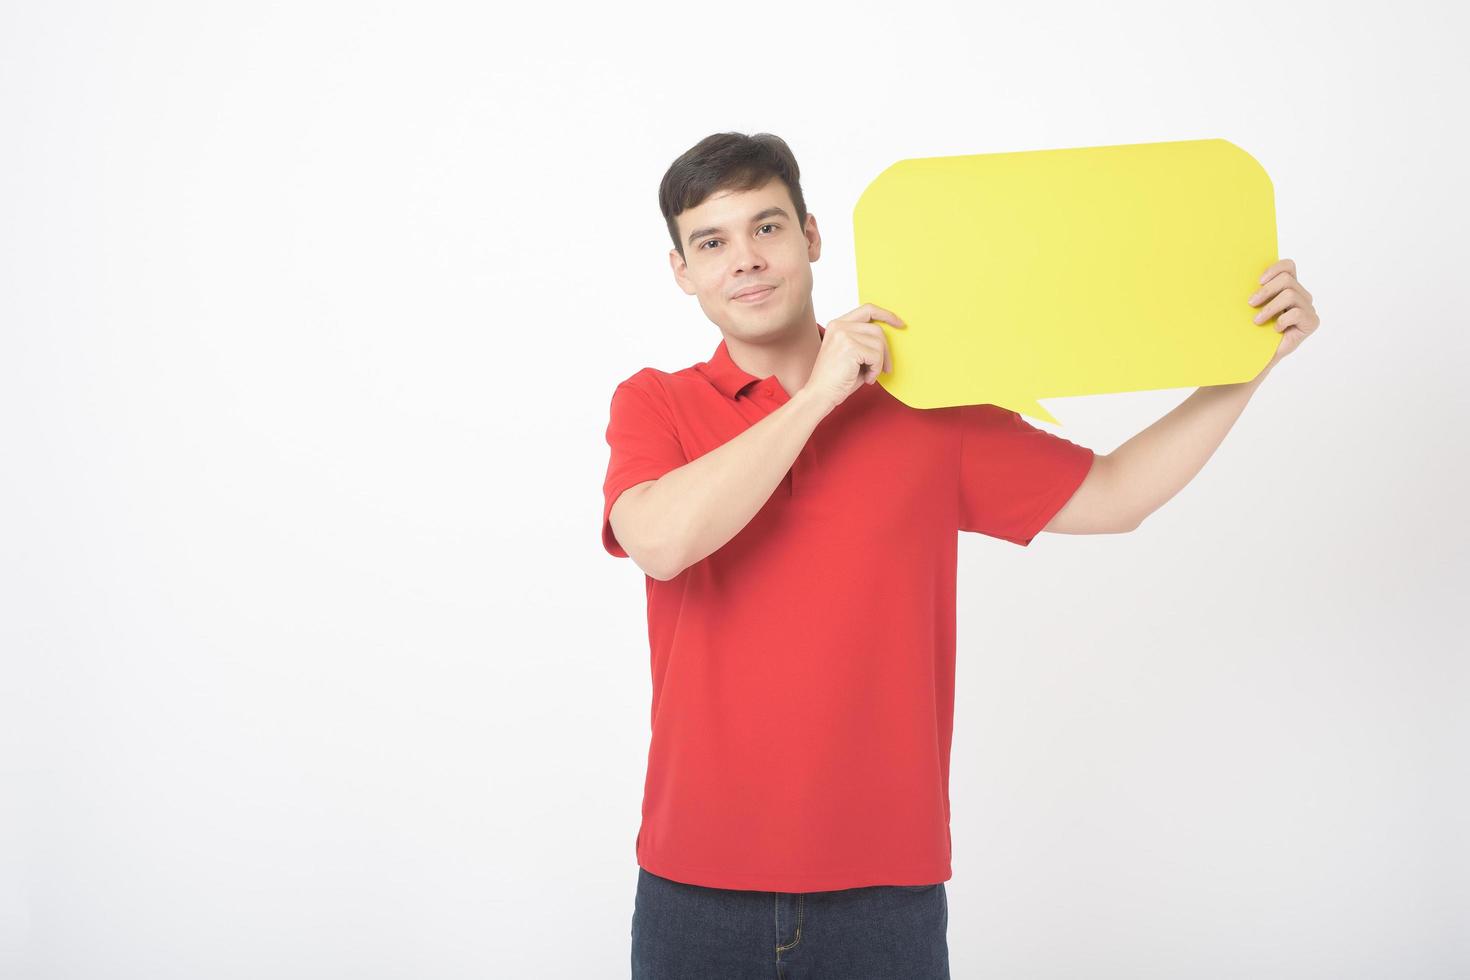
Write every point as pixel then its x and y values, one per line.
pixel 1136 479
pixel 1141 475
pixel 670 523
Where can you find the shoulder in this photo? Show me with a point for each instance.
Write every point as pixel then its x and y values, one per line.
pixel 950 418
pixel 666 386
pixel 648 379
pixel 987 414
pixel 988 419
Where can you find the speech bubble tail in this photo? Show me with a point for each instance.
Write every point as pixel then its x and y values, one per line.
pixel 1033 409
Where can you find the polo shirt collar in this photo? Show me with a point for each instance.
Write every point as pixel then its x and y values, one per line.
pixel 729 377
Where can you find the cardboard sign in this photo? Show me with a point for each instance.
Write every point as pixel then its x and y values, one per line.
pixel 1050 273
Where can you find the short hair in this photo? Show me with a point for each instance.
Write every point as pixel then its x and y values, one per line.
pixel 727 161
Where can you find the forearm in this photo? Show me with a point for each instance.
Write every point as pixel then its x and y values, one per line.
pixel 1158 462
pixel 704 503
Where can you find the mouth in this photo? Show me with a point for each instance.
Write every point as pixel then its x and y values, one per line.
pixel 756 296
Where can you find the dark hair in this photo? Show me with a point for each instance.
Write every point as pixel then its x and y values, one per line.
pixel 727 161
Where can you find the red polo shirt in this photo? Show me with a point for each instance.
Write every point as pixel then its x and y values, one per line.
pixel 803 673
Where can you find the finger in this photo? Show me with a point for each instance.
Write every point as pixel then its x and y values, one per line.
pixel 873 357
pixel 1285 300
pixel 869 311
pixel 1282 281
pixel 1280 265
pixel 869 333
pixel 1305 321
pixel 888 316
pixel 1291 318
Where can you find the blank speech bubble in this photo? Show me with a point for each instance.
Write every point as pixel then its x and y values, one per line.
pixel 1052 273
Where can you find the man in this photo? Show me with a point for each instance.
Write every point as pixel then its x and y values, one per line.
pixel 798 527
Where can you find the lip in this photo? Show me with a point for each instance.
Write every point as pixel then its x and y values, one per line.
pixel 756 294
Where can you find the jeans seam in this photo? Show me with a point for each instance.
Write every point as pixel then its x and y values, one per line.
pixel 800 907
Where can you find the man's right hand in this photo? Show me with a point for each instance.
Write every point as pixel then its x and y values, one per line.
pixel 854 351
pixel 693 510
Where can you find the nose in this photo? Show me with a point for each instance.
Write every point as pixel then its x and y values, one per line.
pixel 748 258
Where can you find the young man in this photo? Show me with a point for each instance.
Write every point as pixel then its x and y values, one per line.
pixel 798 527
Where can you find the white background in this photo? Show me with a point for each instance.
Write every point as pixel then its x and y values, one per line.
pixel 313 665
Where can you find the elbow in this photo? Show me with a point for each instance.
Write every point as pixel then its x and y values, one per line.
pixel 643 539
pixel 1132 522
pixel 673 563
pixel 659 560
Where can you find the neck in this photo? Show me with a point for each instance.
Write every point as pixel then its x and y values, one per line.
pixel 789 355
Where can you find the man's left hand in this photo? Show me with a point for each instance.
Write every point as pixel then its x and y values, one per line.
pixel 1290 304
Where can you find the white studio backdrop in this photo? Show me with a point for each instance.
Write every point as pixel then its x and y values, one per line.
pixel 313 665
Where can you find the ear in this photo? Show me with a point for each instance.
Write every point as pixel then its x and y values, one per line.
pixel 681 272
pixel 813 238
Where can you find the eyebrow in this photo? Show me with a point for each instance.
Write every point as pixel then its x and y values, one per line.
pixel 758 216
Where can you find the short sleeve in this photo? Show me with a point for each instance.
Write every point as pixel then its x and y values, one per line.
pixel 643 444
pixel 1014 477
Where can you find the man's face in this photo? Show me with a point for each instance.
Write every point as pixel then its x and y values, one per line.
pixel 736 240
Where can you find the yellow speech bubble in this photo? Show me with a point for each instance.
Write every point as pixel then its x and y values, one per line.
pixel 1050 273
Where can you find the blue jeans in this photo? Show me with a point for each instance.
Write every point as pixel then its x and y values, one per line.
pixel 881 932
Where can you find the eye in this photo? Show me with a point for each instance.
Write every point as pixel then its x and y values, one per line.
pixel 711 241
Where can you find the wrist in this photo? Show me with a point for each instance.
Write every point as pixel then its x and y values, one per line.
pixel 809 400
pixel 815 401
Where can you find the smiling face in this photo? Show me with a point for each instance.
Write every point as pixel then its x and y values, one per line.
pixel 740 240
